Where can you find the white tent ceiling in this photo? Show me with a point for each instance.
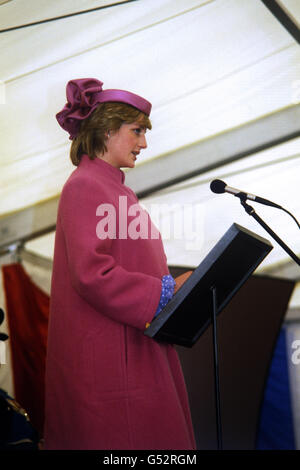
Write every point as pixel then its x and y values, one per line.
pixel 224 80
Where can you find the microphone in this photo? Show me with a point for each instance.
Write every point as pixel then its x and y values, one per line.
pixel 219 186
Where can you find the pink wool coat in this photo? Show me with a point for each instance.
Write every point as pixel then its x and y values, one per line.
pixel 108 386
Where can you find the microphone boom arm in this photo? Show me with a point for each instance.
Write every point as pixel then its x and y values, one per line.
pixel 250 211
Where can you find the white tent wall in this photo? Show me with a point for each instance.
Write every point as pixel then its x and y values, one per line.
pixel 16 13
pixel 198 88
pixel 272 173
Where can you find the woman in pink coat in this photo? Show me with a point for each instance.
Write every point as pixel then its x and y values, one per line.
pixel 108 386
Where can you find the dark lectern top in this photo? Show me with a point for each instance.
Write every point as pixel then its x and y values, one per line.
pixel 226 267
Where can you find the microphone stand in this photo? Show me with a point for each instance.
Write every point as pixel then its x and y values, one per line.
pixel 250 211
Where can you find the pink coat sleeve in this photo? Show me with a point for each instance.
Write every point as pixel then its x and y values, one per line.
pixel 127 297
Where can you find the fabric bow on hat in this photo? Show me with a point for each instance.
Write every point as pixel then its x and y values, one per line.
pixel 82 97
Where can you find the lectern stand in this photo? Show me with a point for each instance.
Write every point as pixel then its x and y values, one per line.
pixel 206 293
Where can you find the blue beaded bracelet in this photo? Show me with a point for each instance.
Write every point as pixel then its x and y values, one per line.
pixel 167 291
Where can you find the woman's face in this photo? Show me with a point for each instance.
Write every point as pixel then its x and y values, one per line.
pixel 124 145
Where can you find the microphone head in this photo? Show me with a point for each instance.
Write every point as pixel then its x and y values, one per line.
pixel 218 186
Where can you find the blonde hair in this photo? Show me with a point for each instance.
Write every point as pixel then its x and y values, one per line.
pixel 106 117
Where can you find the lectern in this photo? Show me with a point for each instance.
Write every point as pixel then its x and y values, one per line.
pixel 206 293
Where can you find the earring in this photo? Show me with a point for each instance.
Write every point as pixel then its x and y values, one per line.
pixel 108 134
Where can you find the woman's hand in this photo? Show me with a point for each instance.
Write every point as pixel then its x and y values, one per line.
pixel 181 280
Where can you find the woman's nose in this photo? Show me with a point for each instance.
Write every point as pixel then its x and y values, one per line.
pixel 143 141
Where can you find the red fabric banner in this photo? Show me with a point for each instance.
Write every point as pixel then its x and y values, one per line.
pixel 27 314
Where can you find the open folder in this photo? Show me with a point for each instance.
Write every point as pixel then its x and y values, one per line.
pixel 226 268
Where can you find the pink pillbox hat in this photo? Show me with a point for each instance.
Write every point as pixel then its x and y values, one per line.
pixel 84 95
